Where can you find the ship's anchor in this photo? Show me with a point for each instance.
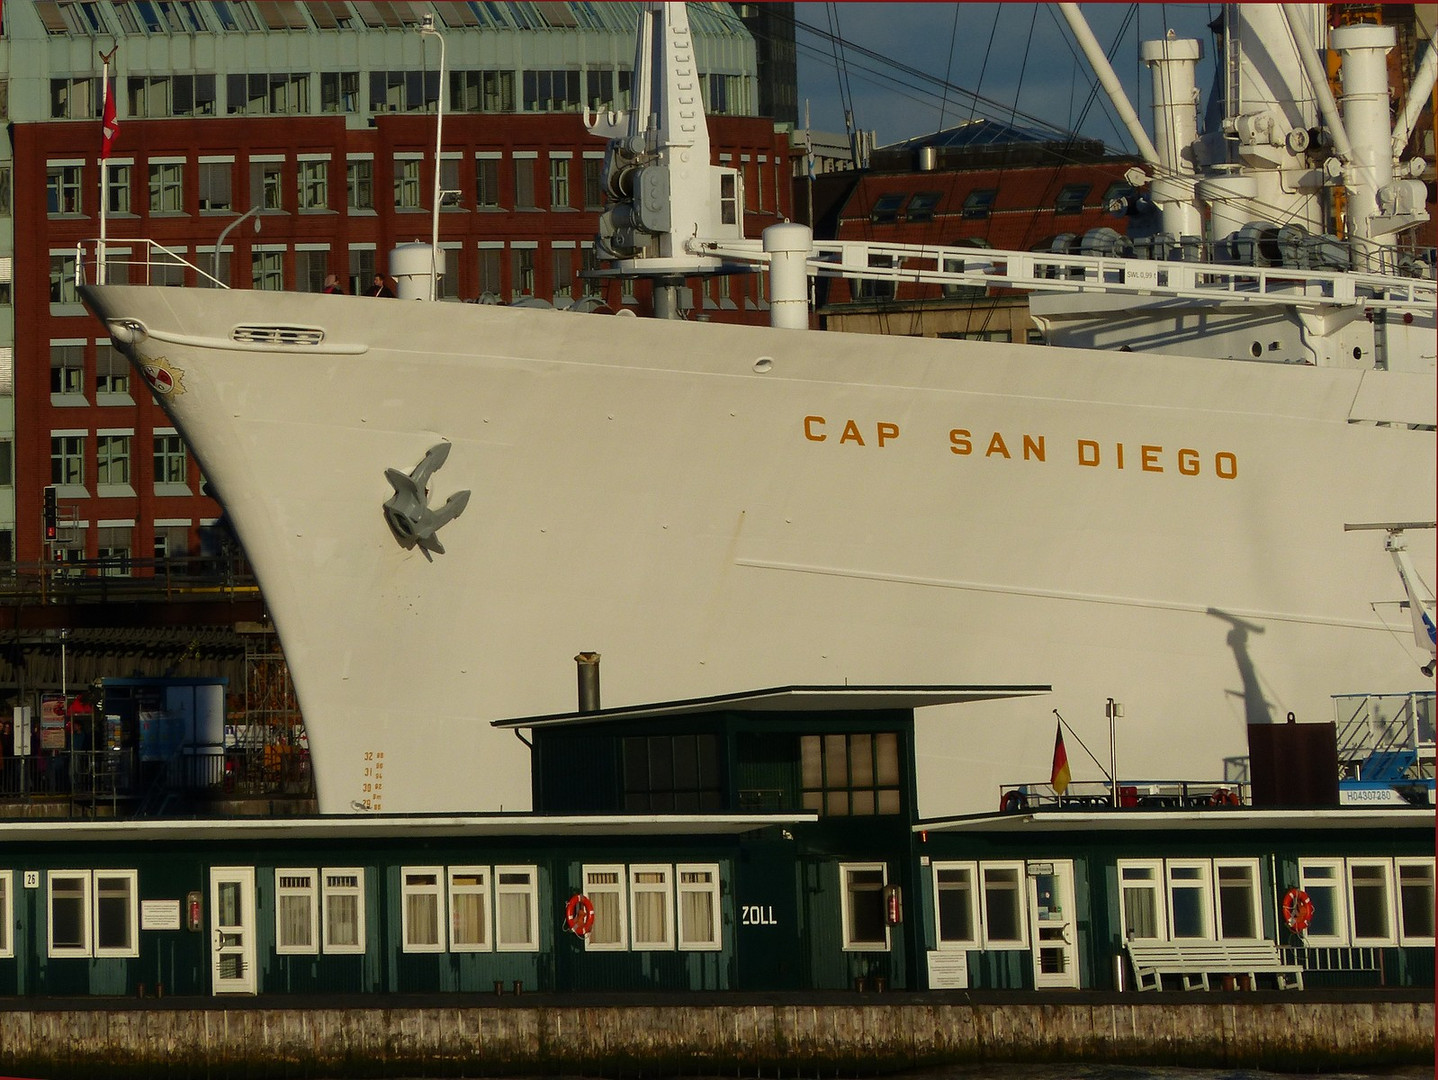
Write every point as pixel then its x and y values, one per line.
pixel 407 510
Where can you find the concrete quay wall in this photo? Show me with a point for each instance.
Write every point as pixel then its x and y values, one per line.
pixel 606 1039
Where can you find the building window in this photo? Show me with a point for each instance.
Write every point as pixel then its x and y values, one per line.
pixel 563 279
pixel 490 260
pixel 296 912
pixel 862 906
pixel 267 270
pixel 486 183
pixel 112 548
pixel 421 901
pixel 886 208
pixel 113 460
pixel 117 188
pixel 314 193
pixel 651 899
pixel 74 99
pixel 1370 901
pixel 1071 197
pixel 516 912
pixel 93 913
pixel 551 91
pixel 1238 912
pixel 62 278
pixel 1141 904
pixel 850 774
pixel 1322 880
pixel 169 459
pixel 481 91
pixel 604 885
pixel 1415 901
pixel 1190 903
pixel 67 372
pixel 277 93
pixel 215 185
pixel 922 205
pixel 69 908
pixel 267 184
pixel 956 904
pixel 193 95
pixel 524 183
pixel 172 541
pixel 590 286
pixel 112 372
pixel 339 91
pixel 671 773
pixel 4 189
pixel 117 911
pixel 1004 923
pixel 362 269
pixel 698 922
pixel 67 460
pixel 166 187
pixel 593 183
pixel 406 184
pixel 359 181
pixel 342 903
pixel 7 465
pixel 979 203
pixel 523 272
pixel 312 266
pixel 62 189
pixel 469 907
pixel 558 182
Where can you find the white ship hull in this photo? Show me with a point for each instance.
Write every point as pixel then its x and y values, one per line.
pixel 684 499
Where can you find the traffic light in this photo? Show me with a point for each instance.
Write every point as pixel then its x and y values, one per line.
pixel 51 530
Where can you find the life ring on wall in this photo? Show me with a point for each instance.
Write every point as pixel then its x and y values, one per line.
pixel 1223 797
pixel 1013 801
pixel 579 914
pixel 1297 910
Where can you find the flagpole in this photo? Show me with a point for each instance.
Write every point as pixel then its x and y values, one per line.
pixel 104 164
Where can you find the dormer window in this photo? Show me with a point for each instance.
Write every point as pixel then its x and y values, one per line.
pixel 886 208
pixel 1070 200
pixel 922 206
pixel 980 202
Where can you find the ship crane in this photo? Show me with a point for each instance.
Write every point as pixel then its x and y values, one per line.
pixel 1420 596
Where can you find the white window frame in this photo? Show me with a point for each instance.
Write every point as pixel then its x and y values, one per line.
pixel 1422 863
pixel 530 888
pixel 664 889
pixel 1255 888
pixel 1390 936
pixel 482 889
pixel 1020 899
pixel 1319 876
pixel 297 884
pixel 435 889
pixel 7 914
pixel 331 889
pixel 1156 883
pixel 845 913
pixel 1204 885
pixel 86 919
pixel 971 869
pixel 688 939
pixel 619 888
pixel 132 913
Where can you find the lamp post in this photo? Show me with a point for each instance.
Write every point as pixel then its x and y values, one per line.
pixel 220 243
pixel 427 29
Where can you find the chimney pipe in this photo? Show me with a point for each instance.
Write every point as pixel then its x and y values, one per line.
pixel 588 681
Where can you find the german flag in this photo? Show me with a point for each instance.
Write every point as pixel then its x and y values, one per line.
pixel 1061 775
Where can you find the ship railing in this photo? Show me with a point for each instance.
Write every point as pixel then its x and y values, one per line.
pixel 1375 729
pixel 1132 795
pixel 1336 958
pixel 1049 272
pixel 137 262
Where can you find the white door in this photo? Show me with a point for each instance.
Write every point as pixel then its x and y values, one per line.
pixel 232 929
pixel 1052 922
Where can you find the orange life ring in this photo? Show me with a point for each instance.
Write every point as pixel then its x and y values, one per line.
pixel 1013 801
pixel 1223 797
pixel 1297 910
pixel 579 914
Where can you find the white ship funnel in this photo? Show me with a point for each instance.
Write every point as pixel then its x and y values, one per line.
pixel 410 266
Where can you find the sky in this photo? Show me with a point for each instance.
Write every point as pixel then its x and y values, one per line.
pixel 1017 56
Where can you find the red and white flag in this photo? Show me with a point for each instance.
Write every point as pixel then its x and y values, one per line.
pixel 110 127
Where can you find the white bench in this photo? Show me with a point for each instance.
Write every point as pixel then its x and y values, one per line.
pixel 1194 961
